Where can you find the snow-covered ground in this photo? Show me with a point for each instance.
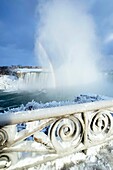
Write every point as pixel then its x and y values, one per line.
pixel 8 82
pixel 97 158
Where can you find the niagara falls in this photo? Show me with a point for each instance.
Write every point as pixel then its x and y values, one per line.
pixel 56 84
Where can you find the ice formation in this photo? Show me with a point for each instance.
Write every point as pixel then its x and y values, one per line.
pixel 99 157
pixel 27 81
pixel 7 82
pixel 83 98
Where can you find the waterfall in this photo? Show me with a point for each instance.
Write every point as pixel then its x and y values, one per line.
pixel 34 81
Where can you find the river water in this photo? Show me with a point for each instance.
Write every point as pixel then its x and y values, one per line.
pixel 11 99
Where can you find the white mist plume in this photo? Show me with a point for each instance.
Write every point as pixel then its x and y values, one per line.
pixel 66 32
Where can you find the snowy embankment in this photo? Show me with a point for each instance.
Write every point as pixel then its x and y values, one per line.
pixel 78 99
pixel 8 82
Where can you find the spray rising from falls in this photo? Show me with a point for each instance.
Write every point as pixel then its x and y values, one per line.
pixel 66 32
pixel 46 63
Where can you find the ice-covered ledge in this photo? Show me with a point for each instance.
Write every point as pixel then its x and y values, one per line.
pixel 28 70
pixel 38 136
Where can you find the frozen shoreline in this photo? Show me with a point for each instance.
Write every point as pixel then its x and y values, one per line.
pixel 83 98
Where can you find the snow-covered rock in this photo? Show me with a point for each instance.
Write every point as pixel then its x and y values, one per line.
pixel 7 82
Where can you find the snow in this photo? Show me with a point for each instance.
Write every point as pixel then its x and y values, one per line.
pixel 102 160
pixel 96 157
pixel 40 80
pixel 7 82
pixel 28 70
pixel 12 83
pixel 81 161
pixel 77 100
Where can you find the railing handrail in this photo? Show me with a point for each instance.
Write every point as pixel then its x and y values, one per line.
pixel 46 113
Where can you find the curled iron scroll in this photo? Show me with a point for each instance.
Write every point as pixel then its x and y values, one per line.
pixel 100 125
pixel 66 132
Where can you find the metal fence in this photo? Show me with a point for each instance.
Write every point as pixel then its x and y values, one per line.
pixel 38 136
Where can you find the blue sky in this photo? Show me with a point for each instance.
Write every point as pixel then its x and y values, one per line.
pixel 18 23
pixel 17 30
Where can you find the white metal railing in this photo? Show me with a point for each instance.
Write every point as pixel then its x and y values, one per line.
pixel 43 135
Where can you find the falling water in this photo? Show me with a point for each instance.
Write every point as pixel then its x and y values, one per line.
pixel 34 81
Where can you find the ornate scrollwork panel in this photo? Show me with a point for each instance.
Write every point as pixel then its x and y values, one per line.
pixel 66 132
pixel 49 138
pixel 100 125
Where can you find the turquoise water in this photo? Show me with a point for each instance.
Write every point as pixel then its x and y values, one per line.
pixel 15 99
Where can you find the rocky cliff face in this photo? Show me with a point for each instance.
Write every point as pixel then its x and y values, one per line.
pixel 5 70
pixel 8 70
